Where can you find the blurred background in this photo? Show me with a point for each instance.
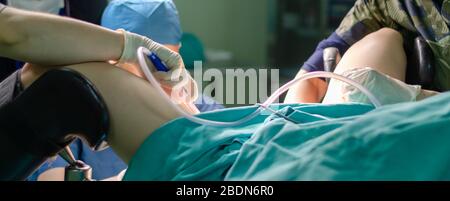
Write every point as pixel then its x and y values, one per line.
pixel 279 34
pixel 261 33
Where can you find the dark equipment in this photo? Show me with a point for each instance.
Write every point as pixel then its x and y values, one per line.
pixel 45 118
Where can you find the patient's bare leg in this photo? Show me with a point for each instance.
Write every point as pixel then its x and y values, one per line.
pixel 135 108
pixel 382 51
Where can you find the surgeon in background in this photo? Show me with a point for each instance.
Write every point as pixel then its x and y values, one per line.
pixel 156 19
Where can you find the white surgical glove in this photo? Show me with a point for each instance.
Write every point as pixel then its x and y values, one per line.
pixel 176 81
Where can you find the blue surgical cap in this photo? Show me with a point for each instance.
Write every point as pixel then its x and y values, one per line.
pixel 156 19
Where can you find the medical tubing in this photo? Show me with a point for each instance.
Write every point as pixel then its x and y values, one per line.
pixel 141 57
pixel 142 52
pixel 322 74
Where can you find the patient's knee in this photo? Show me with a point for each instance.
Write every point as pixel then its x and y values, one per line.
pixel 385 35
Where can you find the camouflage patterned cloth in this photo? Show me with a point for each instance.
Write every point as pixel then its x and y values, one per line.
pixel 427 18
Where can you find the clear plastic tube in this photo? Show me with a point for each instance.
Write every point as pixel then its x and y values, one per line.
pixel 142 62
pixel 322 74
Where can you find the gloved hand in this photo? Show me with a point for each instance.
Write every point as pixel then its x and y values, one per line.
pixel 176 81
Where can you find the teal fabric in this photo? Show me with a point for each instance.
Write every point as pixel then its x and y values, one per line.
pixel 191 50
pixel 182 150
pixel 407 141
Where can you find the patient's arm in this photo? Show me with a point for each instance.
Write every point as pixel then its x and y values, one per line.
pixel 135 108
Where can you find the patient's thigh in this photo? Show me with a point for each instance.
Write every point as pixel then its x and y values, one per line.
pixel 135 107
pixel 382 51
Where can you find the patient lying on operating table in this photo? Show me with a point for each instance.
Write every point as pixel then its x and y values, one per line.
pixel 349 140
pixel 346 140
